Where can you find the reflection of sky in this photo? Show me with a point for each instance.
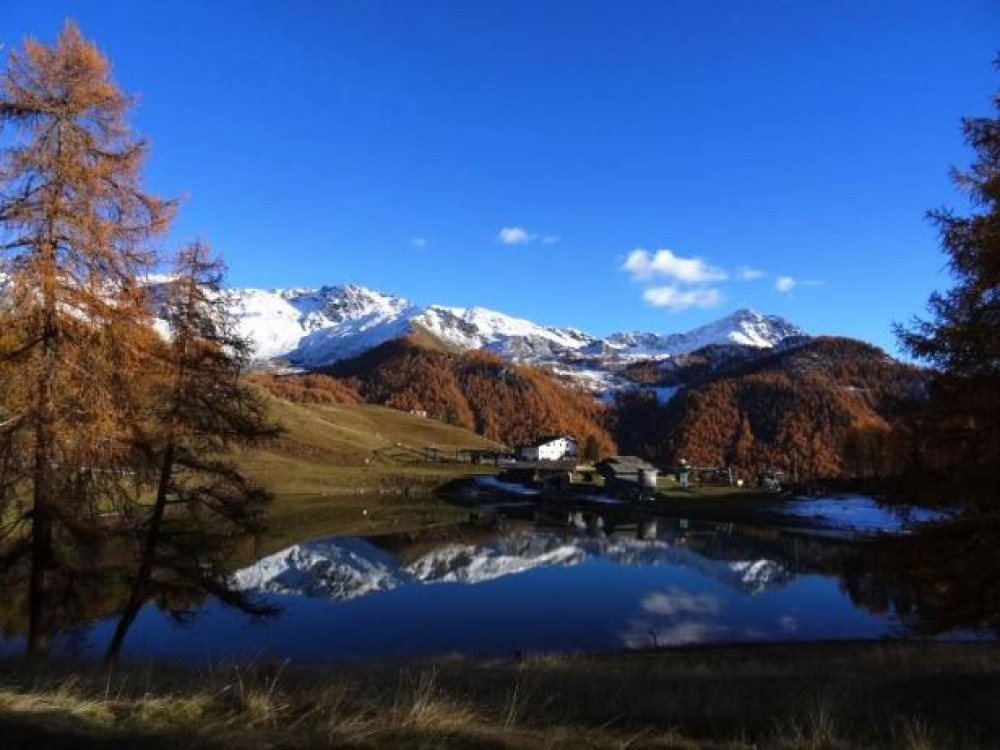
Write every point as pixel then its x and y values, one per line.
pixel 675 617
pixel 809 608
pixel 597 605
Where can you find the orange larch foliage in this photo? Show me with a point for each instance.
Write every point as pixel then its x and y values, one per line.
pixel 308 388
pixel 511 404
pixel 825 409
pixel 75 227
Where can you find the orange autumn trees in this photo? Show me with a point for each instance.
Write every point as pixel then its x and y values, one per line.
pixel 75 226
pixel 511 404
pixel 308 388
pixel 106 427
pixel 828 408
pixel 516 404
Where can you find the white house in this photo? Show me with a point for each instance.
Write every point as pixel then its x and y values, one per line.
pixel 549 448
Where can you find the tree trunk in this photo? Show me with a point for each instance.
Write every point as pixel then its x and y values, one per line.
pixel 140 587
pixel 42 557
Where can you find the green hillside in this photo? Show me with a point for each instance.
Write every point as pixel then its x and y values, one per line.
pixel 355 468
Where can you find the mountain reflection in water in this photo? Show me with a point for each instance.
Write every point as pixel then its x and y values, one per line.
pixel 526 588
pixel 347 568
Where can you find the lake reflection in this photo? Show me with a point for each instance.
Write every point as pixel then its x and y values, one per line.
pixel 531 589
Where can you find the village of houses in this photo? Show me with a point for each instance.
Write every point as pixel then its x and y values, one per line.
pixel 553 465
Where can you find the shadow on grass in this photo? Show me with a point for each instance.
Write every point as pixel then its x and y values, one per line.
pixel 17 733
pixel 835 695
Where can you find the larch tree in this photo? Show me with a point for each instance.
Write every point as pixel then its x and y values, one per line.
pixel 75 231
pixel 201 410
pixel 961 340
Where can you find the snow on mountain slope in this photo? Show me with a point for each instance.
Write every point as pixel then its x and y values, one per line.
pixel 267 320
pixel 313 327
pixel 743 327
pixel 339 568
pixel 479 328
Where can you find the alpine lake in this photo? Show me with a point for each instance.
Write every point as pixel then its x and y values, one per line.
pixel 528 577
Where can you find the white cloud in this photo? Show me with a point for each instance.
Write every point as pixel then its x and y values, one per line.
pixel 784 284
pixel 515 236
pixel 663 263
pixel 749 273
pixel 419 242
pixel 675 299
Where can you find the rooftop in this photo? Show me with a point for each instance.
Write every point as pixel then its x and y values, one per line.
pixel 625 465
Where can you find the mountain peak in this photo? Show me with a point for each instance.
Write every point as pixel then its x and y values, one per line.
pixel 745 313
pixel 748 328
pixel 744 327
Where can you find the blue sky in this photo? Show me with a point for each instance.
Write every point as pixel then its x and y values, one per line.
pixel 393 143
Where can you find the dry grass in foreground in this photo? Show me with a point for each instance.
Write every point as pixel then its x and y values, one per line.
pixel 804 696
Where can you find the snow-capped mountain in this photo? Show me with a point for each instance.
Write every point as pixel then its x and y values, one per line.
pixel 743 328
pixel 479 328
pixel 313 327
pixel 343 569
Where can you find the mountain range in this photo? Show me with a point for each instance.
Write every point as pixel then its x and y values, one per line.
pixel 311 328
pixel 748 390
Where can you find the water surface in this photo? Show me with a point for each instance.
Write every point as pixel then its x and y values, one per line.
pixel 581 587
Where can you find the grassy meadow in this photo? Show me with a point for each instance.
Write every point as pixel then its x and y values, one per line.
pixel 343 449
pixel 812 696
pixel 356 469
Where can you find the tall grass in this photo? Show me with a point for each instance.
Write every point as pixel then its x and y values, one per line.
pixel 828 697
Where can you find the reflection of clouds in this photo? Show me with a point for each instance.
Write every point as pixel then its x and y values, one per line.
pixel 788 623
pixel 679 617
pixel 677 601
pixel 645 634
